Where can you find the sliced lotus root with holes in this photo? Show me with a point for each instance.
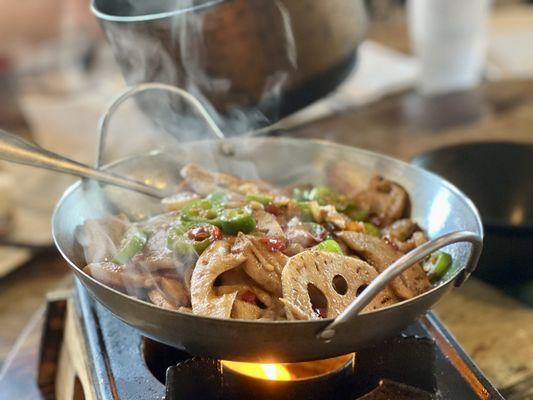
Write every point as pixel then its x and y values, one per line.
pixel 213 262
pixel 338 279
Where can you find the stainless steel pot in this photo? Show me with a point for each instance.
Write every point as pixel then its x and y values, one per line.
pixel 439 207
pixel 276 55
pixel 436 205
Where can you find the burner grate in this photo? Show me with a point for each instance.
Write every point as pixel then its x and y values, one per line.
pixel 377 375
pixel 423 363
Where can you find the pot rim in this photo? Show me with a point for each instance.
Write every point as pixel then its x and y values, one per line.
pixel 152 16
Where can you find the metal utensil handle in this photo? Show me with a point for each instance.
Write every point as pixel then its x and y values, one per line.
pixel 15 149
pixel 398 267
pixel 143 87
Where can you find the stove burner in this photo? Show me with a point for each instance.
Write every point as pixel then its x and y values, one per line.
pixel 424 363
pixel 376 374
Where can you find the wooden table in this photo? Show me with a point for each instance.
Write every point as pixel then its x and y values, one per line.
pixel 402 125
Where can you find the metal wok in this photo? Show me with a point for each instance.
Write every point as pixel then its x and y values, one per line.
pixel 436 205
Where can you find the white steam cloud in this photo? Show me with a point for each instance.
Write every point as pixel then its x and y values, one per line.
pixel 151 56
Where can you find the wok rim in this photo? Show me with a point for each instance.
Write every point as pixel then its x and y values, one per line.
pixel 319 322
pixel 154 16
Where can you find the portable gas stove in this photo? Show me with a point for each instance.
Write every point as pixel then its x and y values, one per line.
pixel 87 353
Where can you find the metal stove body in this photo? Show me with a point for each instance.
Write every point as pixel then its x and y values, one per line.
pixel 424 362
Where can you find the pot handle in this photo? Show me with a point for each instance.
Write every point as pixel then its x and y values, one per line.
pixel 139 88
pixel 398 267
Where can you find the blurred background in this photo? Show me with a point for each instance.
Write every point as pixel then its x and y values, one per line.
pixel 428 74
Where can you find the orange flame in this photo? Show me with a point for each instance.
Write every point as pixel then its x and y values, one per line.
pixel 289 371
pixel 272 372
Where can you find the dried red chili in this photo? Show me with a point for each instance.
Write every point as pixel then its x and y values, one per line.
pixel 204 232
pixel 273 244
pixel 216 232
pixel 249 297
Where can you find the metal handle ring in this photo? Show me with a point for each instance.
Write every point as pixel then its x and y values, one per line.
pixel 131 91
pixel 398 267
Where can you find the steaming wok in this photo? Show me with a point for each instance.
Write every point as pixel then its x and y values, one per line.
pixel 436 205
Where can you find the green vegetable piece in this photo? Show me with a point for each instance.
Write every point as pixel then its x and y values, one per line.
pixel 305 210
pixel 350 209
pixel 200 247
pixel 321 194
pixel 438 264
pixel 199 211
pixel 179 242
pixel 371 229
pixel 358 215
pixel 184 248
pixel 237 220
pixel 133 242
pixel 260 198
pixel 343 205
pixel 329 245
pixel 300 194
pixel 218 197
pixel 175 234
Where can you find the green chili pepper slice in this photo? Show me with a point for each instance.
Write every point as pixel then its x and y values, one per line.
pixel 199 211
pixel 350 209
pixel 300 194
pixel 438 264
pixel 260 198
pixel 305 211
pixel 371 229
pixel 358 215
pixel 321 194
pixel 133 242
pixel 185 238
pixel 186 247
pixel 237 220
pixel 329 245
pixel 218 197
pixel 175 234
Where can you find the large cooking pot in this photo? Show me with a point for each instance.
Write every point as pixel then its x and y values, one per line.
pixel 276 55
pixel 436 205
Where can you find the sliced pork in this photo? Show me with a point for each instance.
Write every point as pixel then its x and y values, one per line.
pixel 384 200
pixel 381 254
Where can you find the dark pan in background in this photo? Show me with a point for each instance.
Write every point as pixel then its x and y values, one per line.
pixel 498 177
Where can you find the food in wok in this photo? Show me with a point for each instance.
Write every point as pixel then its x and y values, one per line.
pixel 246 249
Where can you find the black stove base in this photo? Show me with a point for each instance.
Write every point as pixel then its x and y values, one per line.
pixel 424 362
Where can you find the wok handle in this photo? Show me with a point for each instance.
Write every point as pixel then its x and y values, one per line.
pixel 143 87
pixel 398 267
